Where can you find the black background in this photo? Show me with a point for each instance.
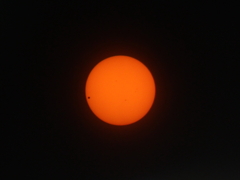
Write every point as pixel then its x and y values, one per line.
pixel 190 132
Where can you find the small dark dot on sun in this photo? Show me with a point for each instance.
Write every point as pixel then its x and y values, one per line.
pixel 88 97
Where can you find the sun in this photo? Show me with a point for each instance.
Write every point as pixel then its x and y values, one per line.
pixel 120 90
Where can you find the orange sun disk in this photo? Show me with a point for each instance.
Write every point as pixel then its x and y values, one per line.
pixel 120 90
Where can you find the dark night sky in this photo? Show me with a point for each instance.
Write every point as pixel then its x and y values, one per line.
pixel 190 132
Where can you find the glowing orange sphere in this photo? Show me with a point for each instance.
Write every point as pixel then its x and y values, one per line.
pixel 120 90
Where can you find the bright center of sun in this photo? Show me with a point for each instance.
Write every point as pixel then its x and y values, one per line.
pixel 120 90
